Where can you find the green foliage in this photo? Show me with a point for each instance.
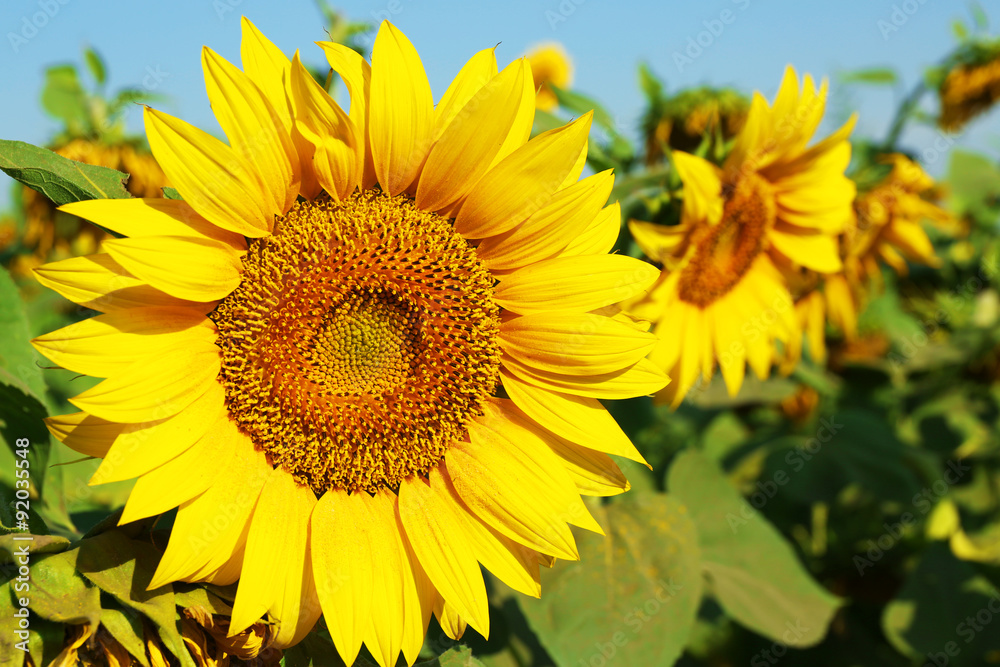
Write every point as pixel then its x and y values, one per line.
pixel 641 581
pixel 60 179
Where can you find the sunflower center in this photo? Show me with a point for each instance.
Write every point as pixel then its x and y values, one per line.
pixel 360 342
pixel 724 252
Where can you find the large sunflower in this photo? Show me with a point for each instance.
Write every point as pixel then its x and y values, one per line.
pixel 774 205
pixel 364 354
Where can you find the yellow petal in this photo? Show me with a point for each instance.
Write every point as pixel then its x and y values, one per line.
pixel 84 433
pixel 451 623
pixel 594 473
pixel 99 282
pixel 256 132
pixel 472 139
pixel 208 529
pixel 561 221
pixel 151 217
pixel 184 267
pixel 104 345
pixel 339 154
pixel 576 418
pixel 268 67
pixel 436 531
pixel 600 236
pixel 574 343
pixel 216 181
pixel 357 76
pixel 141 447
pixel 523 182
pixel 344 564
pixel 574 284
pixel 816 251
pixel 640 379
pixel 402 110
pixel 403 597
pixel 702 187
pixel 658 242
pixel 156 387
pixel 277 574
pixel 475 74
pixel 186 475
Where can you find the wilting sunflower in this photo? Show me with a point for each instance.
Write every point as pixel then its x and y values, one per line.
pixel 364 354
pixel 682 121
pixel 970 88
pixel 773 205
pixel 550 66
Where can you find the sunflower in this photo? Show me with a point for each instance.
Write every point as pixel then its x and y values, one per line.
pixel 364 354
pixel 969 89
pixel 550 66
pixel 773 205
pixel 886 228
pixel 682 121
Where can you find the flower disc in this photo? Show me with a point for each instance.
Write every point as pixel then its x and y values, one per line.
pixel 361 341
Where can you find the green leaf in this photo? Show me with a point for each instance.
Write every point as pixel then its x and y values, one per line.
pixel 979 17
pixel 63 97
pixel 959 30
pixel 877 76
pixel 633 596
pixel 126 627
pixel 974 182
pixel 755 575
pixel 460 656
pixel 935 612
pixel 171 193
pixel 579 104
pixel 58 178
pixel 39 544
pixel 60 594
pixel 851 447
pixel 124 568
pixel 651 85
pixel 96 65
pixel 17 356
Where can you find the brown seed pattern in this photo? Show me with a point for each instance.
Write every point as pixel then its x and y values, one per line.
pixel 361 341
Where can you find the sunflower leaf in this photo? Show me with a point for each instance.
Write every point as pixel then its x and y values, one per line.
pixel 460 656
pixel 756 577
pixel 60 179
pixel 123 568
pixel 126 627
pixel 642 580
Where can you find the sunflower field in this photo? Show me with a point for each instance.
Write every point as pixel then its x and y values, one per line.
pixel 376 375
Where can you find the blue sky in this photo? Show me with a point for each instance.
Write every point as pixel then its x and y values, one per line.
pixel 744 43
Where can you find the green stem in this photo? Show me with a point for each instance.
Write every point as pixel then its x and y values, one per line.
pixel 903 114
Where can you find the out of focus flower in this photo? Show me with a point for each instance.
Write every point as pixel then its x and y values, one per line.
pixel 550 66
pixel 775 203
pixel 970 89
pixel 682 121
